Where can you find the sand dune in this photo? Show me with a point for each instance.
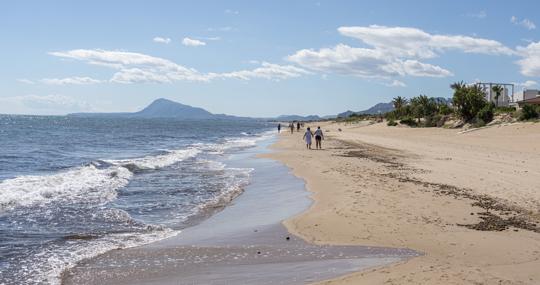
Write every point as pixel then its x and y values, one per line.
pixel 469 201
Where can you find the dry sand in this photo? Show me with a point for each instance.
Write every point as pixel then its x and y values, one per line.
pixel 470 201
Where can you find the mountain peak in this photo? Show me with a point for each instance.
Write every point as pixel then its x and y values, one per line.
pixel 165 108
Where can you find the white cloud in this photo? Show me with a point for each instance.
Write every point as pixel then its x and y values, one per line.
pixel 141 68
pixel 397 83
pixel 53 104
pixel 232 12
pixel 71 81
pixel 267 71
pixel 162 40
pixel 26 81
pixel 362 62
pixel 192 42
pixel 530 62
pixel 392 52
pixel 412 42
pixel 526 23
pixel 138 75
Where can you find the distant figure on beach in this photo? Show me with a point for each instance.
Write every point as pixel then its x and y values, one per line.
pixel 279 128
pixel 291 125
pixel 307 137
pixel 318 138
pixel 298 127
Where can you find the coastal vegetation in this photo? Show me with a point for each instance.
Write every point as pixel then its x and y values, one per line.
pixel 529 112
pixel 420 111
pixel 467 108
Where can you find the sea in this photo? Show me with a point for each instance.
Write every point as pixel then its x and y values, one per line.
pixel 72 188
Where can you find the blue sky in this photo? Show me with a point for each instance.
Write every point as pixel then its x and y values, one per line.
pixel 257 58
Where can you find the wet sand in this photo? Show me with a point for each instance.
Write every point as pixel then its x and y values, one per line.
pixel 243 244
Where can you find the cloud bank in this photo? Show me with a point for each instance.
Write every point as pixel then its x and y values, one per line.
pixel 134 67
pixel 71 81
pixel 392 52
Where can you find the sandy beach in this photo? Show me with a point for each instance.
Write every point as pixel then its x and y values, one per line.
pixel 245 243
pixel 468 200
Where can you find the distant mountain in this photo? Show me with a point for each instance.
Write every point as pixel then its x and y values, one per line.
pixel 288 118
pixel 379 108
pixel 161 108
pixel 346 114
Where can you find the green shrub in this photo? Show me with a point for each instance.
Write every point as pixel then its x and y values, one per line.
pixel 431 121
pixel 409 121
pixel 445 109
pixel 486 113
pixel 529 112
pixel 504 110
pixel 478 123
pixel 435 121
pixel 468 101
pixel 391 123
pixel 391 116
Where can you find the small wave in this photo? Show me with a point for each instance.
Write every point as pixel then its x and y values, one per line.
pixel 81 184
pixel 156 161
pixel 238 180
pixel 236 143
pixel 51 263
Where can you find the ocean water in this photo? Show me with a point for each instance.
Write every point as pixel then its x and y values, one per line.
pixel 72 188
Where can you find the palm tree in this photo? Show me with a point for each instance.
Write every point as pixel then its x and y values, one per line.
pixel 457 85
pixel 399 102
pixel 497 89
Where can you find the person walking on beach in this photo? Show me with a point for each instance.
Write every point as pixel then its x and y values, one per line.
pixel 279 128
pixel 298 126
pixel 307 137
pixel 318 138
pixel 291 125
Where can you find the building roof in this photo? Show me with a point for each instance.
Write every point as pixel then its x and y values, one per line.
pixel 534 101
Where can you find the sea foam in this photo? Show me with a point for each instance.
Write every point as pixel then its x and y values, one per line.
pixel 86 183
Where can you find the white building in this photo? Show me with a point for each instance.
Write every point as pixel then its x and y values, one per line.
pixel 505 96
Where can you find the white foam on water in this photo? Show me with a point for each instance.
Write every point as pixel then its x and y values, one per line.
pixel 235 143
pixel 86 184
pixel 98 183
pixel 238 179
pixel 48 265
pixel 157 161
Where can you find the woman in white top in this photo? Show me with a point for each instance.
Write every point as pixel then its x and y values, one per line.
pixel 307 137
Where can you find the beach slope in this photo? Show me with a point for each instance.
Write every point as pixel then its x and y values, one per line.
pixel 468 200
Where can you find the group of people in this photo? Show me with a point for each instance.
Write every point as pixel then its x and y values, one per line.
pixel 308 135
pixel 318 134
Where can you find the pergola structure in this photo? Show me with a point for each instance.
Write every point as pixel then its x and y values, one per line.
pixel 488 89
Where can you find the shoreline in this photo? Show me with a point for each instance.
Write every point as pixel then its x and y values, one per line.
pixel 233 245
pixel 428 190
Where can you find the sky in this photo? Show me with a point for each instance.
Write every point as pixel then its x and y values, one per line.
pixel 257 58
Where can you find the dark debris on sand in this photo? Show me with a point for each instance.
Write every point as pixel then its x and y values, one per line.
pixel 491 220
